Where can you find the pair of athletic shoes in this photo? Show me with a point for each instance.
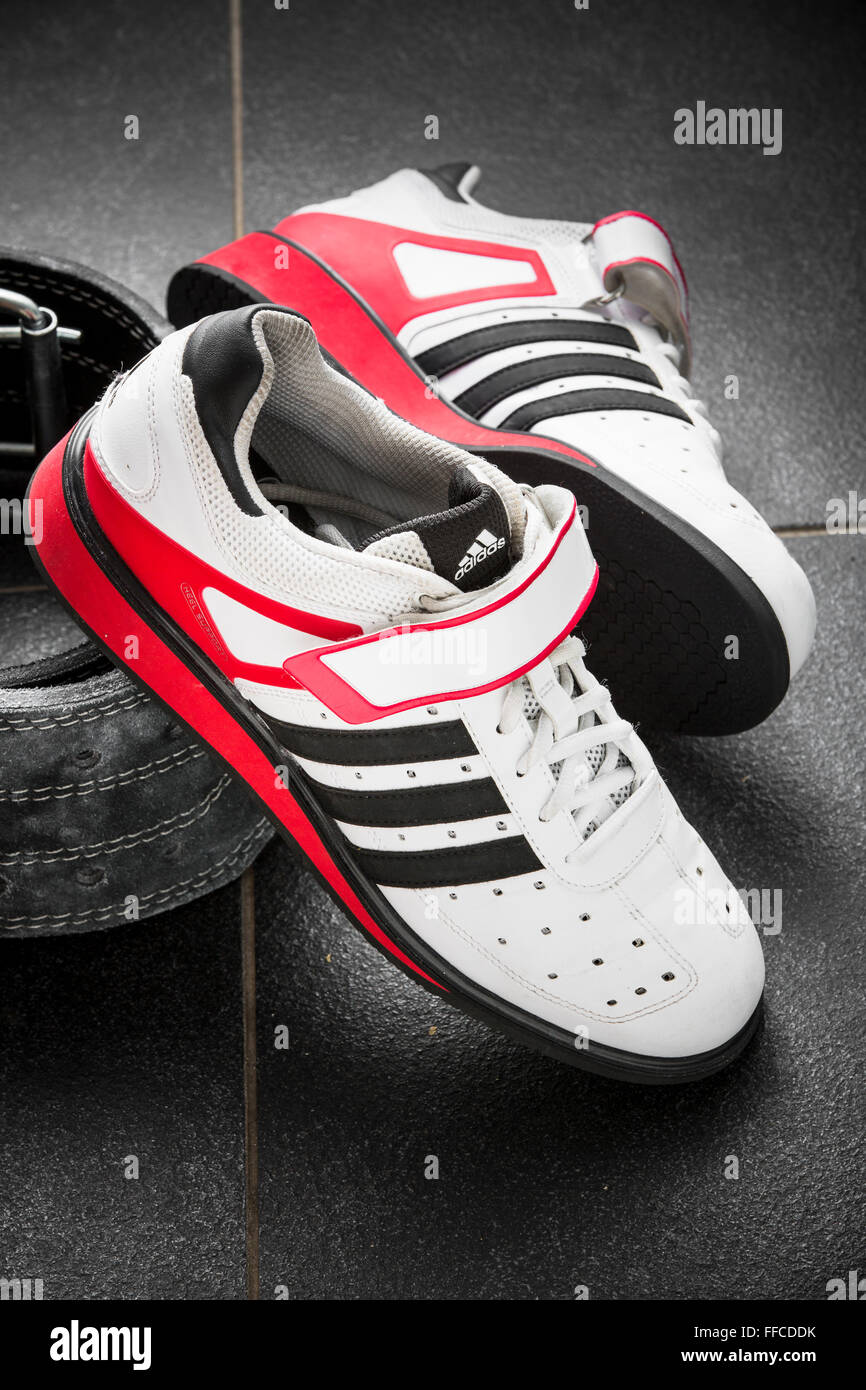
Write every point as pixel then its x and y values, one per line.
pixel 346 528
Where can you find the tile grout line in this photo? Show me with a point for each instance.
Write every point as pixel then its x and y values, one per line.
pixel 810 530
pixel 236 51
pixel 251 1114
pixel 248 946
pixel 236 54
pixel 248 897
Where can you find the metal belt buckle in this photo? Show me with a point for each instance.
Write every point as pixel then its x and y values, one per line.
pixel 40 337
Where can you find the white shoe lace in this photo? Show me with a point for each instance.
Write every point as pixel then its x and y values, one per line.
pixel 575 716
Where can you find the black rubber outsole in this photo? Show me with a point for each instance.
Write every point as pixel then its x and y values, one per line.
pixel 461 992
pixel 668 602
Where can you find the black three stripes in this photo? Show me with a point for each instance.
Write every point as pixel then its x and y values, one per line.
pixel 376 747
pixel 519 376
pixel 414 806
pixel 503 857
pixel 445 357
pixel 604 398
pixel 444 868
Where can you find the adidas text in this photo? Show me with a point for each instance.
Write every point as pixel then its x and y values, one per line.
pixel 484 545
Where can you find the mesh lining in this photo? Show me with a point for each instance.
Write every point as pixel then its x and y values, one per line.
pixel 313 426
pixel 319 428
pixel 281 560
pixel 406 546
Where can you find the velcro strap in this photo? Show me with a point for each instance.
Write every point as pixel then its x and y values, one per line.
pixel 636 255
pixel 485 646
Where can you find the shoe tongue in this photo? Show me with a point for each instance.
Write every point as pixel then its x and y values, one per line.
pixel 469 543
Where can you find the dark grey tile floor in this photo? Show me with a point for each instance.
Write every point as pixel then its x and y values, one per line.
pixel 130 1043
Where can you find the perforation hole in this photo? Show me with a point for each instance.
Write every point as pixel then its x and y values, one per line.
pixel 452 895
pixel 497 892
pixel 584 916
pixel 545 931
pixel 502 941
pixel 638 941
pixel 538 884
pixel 699 871
pixel 611 1003
pixel 640 990
pixel 452 834
pixel 500 825
pixel 553 975
pixel 410 772
pixel 87 757
pixel 431 709
pixel 669 975
pixel 464 767
pixel 598 961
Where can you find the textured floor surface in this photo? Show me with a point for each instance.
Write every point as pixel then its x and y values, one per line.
pixel 129 1045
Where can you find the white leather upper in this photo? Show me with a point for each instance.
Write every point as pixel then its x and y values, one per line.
pixel 560 942
pixel 676 463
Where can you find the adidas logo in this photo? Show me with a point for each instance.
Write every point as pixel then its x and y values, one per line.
pixel 484 544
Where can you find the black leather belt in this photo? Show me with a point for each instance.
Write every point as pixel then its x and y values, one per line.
pixel 109 811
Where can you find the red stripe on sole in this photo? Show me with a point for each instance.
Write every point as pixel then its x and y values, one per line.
pixel 177 579
pixel 363 253
pixel 346 330
pixel 114 622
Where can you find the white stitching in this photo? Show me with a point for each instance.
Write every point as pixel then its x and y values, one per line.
pixel 155 768
pixel 13 725
pixel 146 835
pixel 96 914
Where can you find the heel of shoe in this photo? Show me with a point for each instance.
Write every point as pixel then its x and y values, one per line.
pixel 113 614
pixel 201 288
